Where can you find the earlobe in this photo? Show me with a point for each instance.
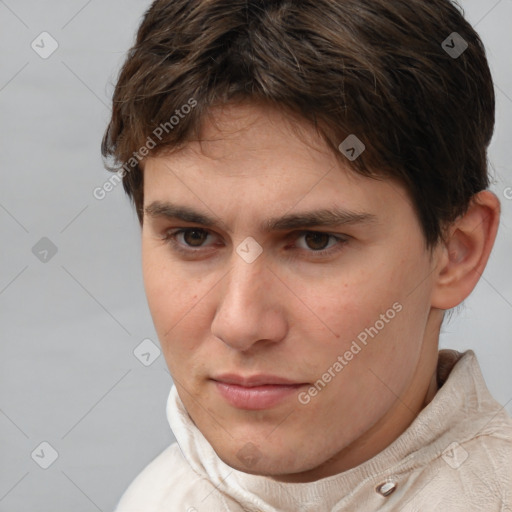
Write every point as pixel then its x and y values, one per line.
pixel 465 253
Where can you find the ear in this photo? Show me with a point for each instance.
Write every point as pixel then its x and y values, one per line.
pixel 462 257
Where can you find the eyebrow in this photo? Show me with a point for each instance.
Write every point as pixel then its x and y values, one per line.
pixel 316 218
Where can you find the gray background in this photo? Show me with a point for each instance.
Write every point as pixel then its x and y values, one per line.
pixel 71 320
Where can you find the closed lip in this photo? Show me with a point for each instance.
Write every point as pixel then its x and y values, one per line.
pixel 256 380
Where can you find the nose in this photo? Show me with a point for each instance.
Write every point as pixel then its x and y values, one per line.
pixel 250 307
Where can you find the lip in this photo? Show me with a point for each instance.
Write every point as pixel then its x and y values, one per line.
pixel 260 379
pixel 256 392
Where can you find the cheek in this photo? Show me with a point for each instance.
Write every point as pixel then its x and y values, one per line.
pixel 175 309
pixel 370 315
pixel 171 295
pixel 350 304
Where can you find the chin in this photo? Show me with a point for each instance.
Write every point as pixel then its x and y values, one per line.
pixel 263 459
pixel 261 467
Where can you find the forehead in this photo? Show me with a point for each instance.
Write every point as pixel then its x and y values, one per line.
pixel 255 160
pixel 234 134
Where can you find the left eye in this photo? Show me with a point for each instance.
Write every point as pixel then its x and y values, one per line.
pixel 317 241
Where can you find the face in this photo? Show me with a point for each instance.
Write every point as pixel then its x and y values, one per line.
pixel 301 342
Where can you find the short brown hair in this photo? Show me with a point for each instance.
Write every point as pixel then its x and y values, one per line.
pixel 373 68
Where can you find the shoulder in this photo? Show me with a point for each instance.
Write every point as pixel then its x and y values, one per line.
pixel 473 473
pixel 167 480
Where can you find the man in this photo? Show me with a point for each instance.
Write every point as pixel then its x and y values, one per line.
pixel 311 182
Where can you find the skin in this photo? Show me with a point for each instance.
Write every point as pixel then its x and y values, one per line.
pixel 290 312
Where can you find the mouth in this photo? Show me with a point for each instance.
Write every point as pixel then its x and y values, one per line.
pixel 257 392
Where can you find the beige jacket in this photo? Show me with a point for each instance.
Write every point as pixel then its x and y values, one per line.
pixel 455 456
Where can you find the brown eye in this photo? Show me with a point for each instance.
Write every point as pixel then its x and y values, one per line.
pixel 317 244
pixel 317 241
pixel 194 237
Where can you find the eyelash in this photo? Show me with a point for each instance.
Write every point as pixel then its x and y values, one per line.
pixel 170 238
